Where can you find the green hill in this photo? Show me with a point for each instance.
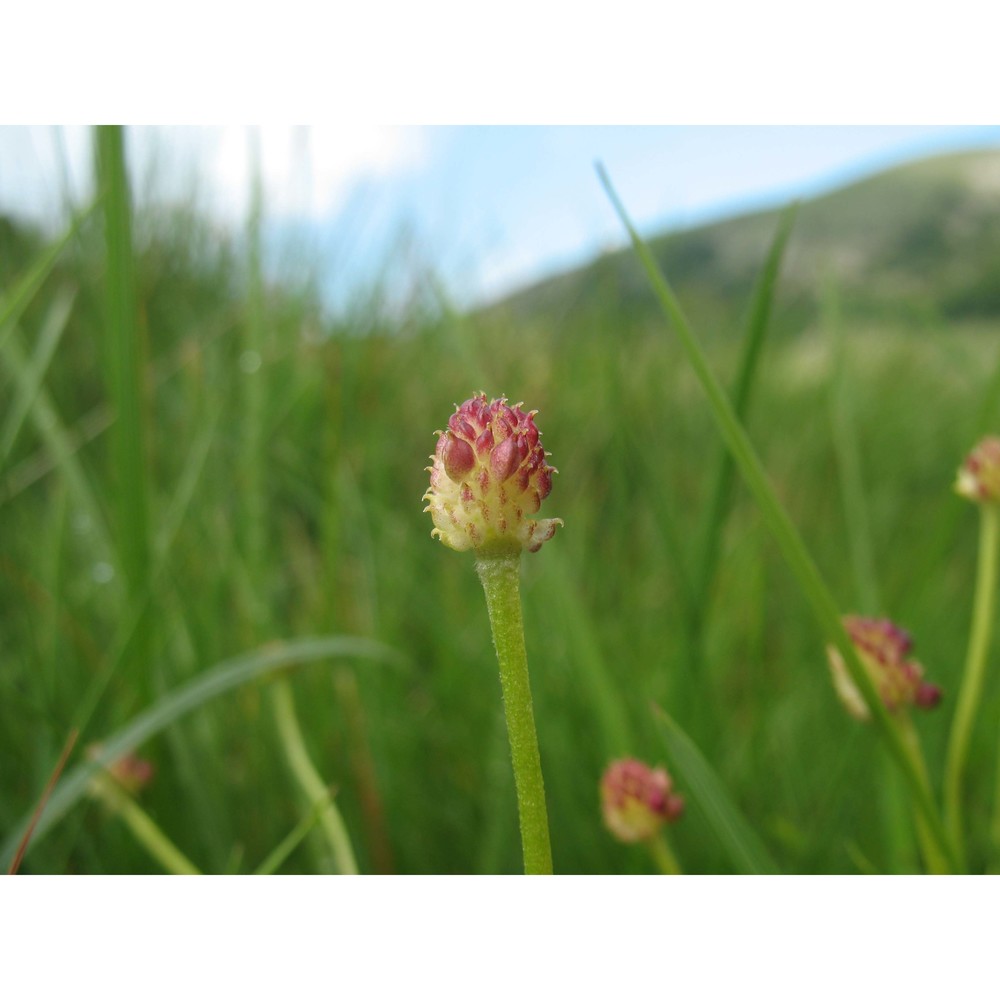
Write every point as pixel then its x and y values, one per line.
pixel 920 241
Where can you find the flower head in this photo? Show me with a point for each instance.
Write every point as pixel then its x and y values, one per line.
pixel 979 475
pixel 489 472
pixel 637 800
pixel 882 648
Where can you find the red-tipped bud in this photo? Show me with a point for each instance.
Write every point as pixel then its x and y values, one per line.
pixel 882 648
pixel 489 473
pixel 457 455
pixel 637 800
pixel 927 696
pixel 979 476
pixel 505 458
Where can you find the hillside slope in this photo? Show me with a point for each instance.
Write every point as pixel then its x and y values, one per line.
pixel 919 242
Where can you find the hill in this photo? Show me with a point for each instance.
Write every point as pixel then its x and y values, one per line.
pixel 921 240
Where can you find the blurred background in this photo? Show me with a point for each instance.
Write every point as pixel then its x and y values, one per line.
pixel 300 309
pixel 485 210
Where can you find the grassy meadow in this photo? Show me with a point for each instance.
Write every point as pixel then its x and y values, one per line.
pixel 200 465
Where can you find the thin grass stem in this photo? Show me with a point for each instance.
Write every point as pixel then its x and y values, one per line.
pixel 142 826
pixel 31 378
pixel 14 303
pixel 295 836
pixel 253 393
pixel 971 691
pixel 663 855
pixel 308 777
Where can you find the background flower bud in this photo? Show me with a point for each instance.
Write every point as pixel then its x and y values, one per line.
pixel 637 800
pixel 882 647
pixel 130 771
pixel 979 475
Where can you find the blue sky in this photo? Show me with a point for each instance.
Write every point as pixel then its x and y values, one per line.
pixel 500 206
pixel 487 208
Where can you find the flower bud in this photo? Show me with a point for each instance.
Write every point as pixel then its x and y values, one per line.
pixel 637 800
pixel 130 772
pixel 882 648
pixel 489 472
pixel 979 476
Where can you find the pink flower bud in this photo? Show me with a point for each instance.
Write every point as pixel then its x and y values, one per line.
pixel 132 772
pixel 637 800
pixel 979 476
pixel 882 648
pixel 489 473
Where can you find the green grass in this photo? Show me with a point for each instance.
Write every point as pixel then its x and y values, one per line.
pixel 282 500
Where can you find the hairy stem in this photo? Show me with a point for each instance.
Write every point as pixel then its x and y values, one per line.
pixel 500 575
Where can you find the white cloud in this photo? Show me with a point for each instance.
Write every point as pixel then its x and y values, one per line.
pixel 307 171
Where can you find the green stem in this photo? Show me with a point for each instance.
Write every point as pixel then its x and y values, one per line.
pixel 281 853
pixel 663 855
pixel 935 857
pixel 970 694
pixel 308 777
pixel 500 575
pixel 142 826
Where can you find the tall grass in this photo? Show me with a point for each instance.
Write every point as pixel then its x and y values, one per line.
pixel 248 507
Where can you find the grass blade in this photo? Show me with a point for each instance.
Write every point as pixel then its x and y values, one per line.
pixel 29 828
pixel 130 624
pixel 12 305
pixel 820 599
pixel 309 779
pixel 217 680
pixel 60 446
pixel 29 379
pixel 845 442
pixel 604 693
pixel 741 843
pixel 758 322
pixel 124 364
pixel 253 395
pixel 295 836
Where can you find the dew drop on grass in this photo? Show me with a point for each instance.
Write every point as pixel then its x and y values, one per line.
pixel 249 362
pixel 102 572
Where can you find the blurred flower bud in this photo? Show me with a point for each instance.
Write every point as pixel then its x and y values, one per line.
pixel 130 772
pixel 636 800
pixel 979 475
pixel 882 648
pixel 489 473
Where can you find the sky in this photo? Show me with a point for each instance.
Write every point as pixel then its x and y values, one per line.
pixel 486 209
